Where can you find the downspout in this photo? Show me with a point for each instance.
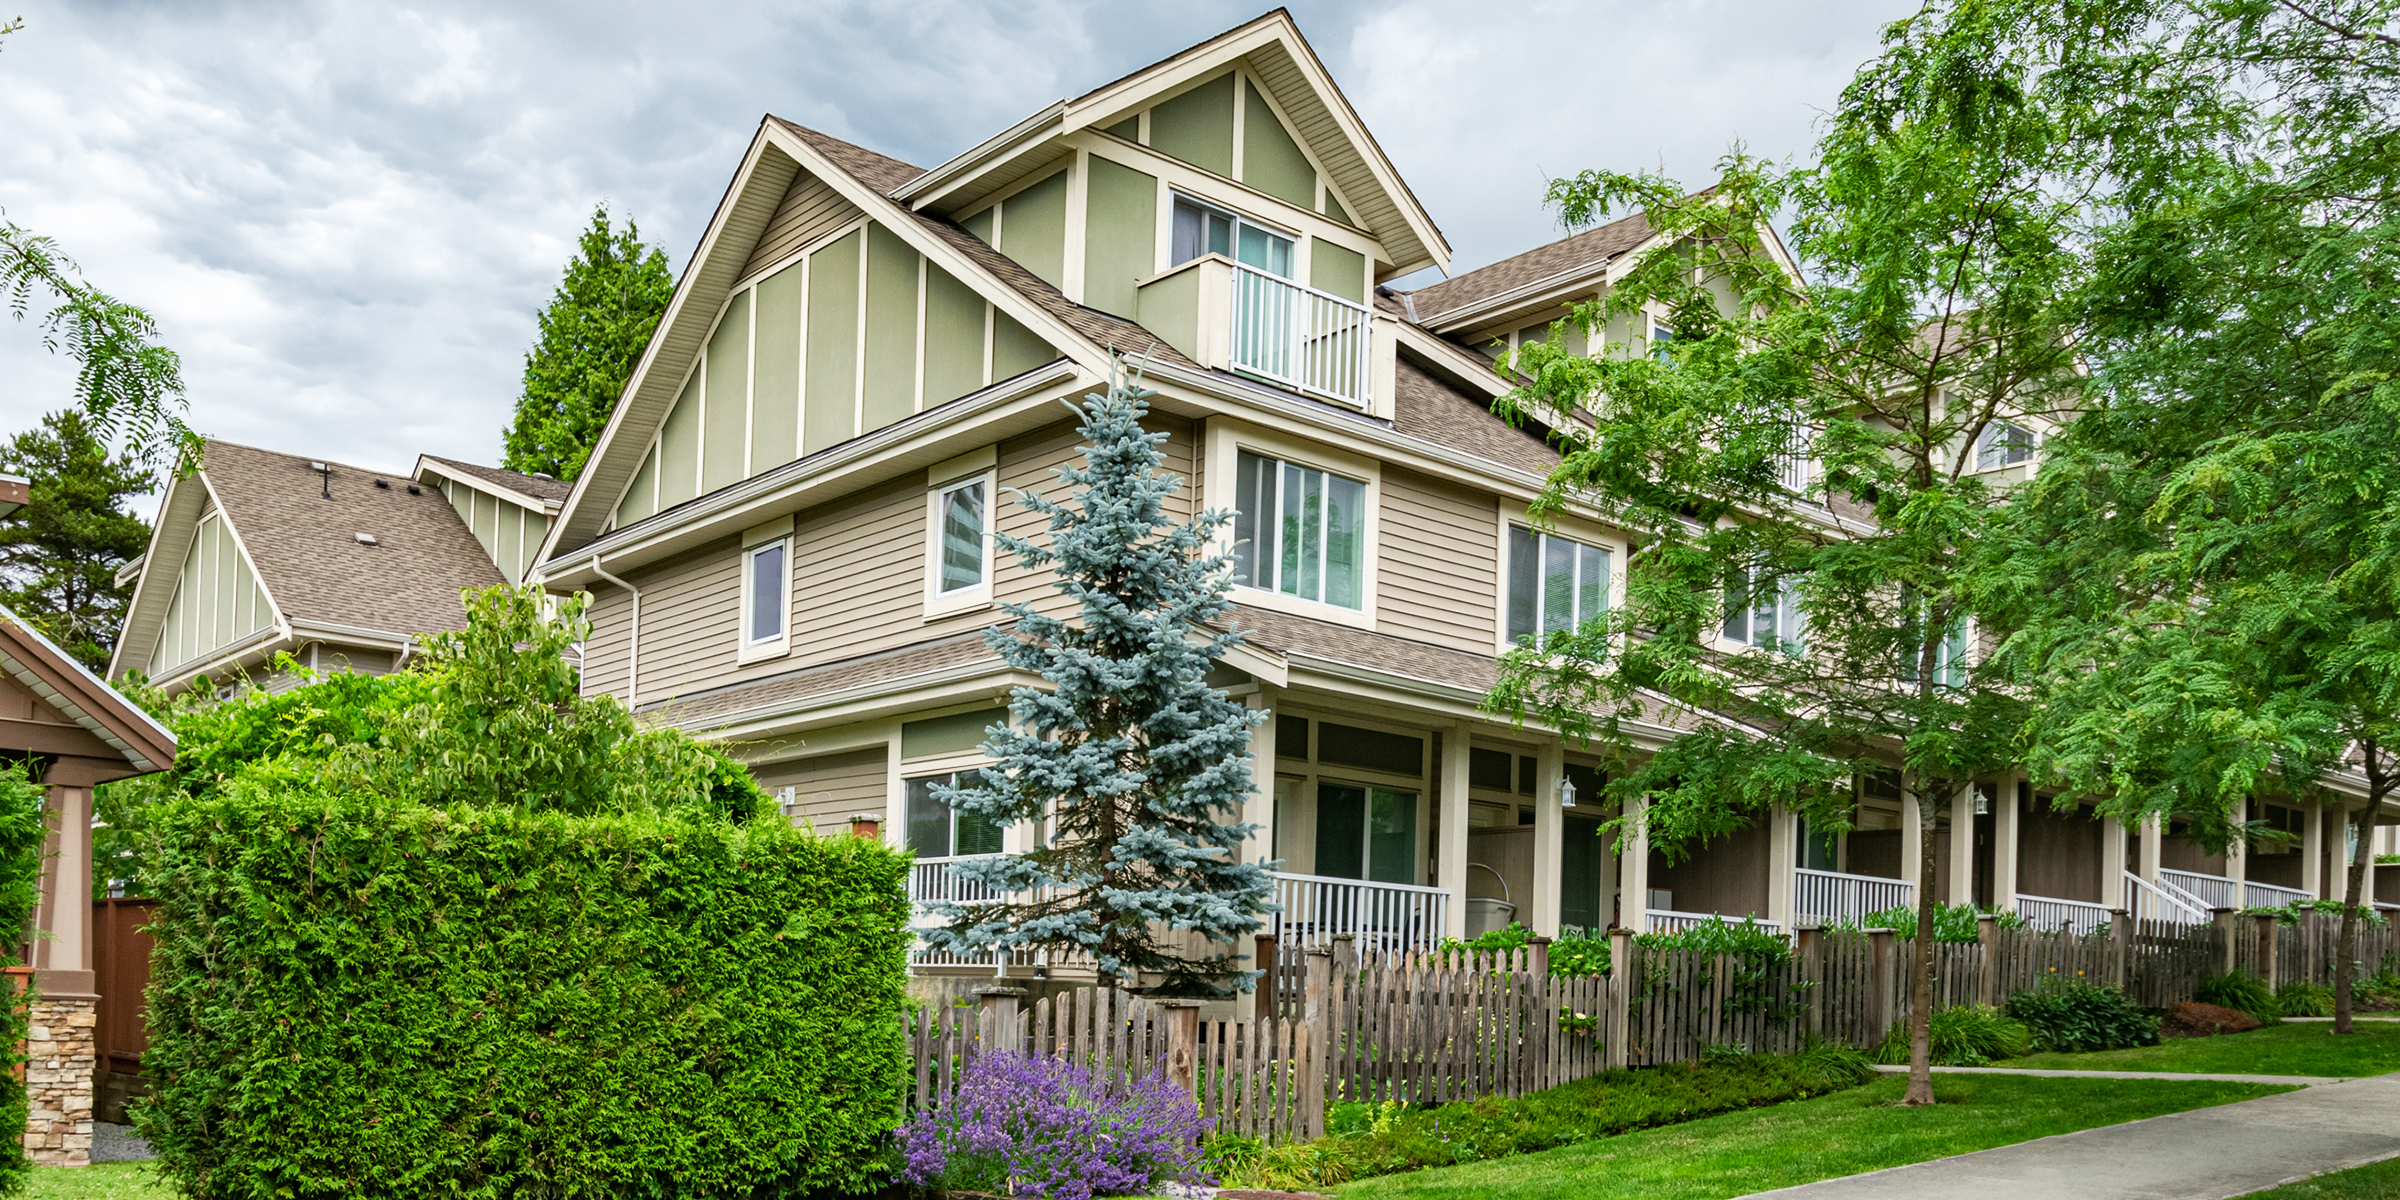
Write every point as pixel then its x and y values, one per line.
pixel 633 643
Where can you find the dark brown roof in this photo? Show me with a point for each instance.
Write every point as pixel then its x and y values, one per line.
pixel 537 486
pixel 716 705
pixel 307 553
pixel 1424 406
pixel 1582 251
pixel 886 174
pixel 1283 633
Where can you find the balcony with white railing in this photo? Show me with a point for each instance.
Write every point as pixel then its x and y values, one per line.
pixel 1831 896
pixel 1234 317
pixel 1392 917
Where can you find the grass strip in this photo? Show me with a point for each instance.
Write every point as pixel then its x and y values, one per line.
pixel 1804 1141
pixel 2375 1181
pixel 100 1181
pixel 2293 1048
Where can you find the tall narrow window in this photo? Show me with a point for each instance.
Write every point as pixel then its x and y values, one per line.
pixel 768 571
pixel 962 531
pixel 1299 531
pixel 1553 583
pixel 935 831
pixel 1765 613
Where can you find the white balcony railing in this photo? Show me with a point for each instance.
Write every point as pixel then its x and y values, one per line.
pixel 1833 896
pixel 1392 917
pixel 1667 920
pixel 1312 342
pixel 2046 912
pixel 2162 902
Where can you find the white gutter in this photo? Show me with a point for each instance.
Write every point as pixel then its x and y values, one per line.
pixel 633 642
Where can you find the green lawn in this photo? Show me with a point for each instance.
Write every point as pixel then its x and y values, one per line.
pixel 1807 1140
pixel 2377 1181
pixel 106 1181
pixel 2293 1048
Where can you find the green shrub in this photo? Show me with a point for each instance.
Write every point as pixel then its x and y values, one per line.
pixel 1571 957
pixel 2242 991
pixel 1716 935
pixel 1955 923
pixel 2300 998
pixel 355 996
pixel 2290 914
pixel 1385 1139
pixel 22 834
pixel 1966 1035
pixel 2073 1017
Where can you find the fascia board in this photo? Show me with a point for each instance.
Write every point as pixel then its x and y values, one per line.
pixel 356 635
pixel 256 648
pixel 1591 274
pixel 1420 222
pixel 1445 699
pixel 427 466
pixel 928 189
pixel 1469 366
pixel 888 698
pixel 49 673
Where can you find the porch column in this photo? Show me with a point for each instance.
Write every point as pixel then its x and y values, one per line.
pixel 2312 850
pixel 1962 846
pixel 1633 868
pixel 2237 856
pixel 1912 840
pixel 1450 861
pixel 2154 839
pixel 1549 838
pixel 2112 863
pixel 1259 809
pixel 2006 821
pixel 62 961
pixel 1783 845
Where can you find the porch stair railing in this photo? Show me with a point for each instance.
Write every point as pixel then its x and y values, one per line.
pixel 2213 891
pixel 1835 896
pixel 1667 920
pixel 2270 895
pixel 2049 912
pixel 2162 902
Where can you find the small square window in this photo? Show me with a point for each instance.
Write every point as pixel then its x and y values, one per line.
pixel 1554 584
pixel 2005 444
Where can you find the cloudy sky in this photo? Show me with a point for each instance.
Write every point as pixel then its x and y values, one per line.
pixel 345 214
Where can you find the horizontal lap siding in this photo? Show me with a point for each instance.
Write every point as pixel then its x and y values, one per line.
pixel 1438 576
pixel 688 612
pixel 827 790
pixel 604 647
pixel 809 211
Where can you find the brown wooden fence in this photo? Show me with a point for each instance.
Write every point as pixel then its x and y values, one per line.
pixel 1435 1028
pixel 121 973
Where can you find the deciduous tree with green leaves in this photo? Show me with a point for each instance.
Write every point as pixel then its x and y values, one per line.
pixel 59 554
pixel 592 336
pixel 1824 616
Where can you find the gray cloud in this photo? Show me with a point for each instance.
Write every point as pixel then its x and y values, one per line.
pixel 345 214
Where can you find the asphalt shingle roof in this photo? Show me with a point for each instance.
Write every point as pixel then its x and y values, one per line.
pixel 536 486
pixel 1582 251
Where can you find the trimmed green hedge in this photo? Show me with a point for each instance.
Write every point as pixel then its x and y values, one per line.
pixel 357 997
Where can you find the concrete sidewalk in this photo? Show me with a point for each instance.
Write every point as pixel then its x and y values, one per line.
pixel 2289 1080
pixel 2205 1154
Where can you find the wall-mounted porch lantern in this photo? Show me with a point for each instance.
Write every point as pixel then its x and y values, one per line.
pixel 1566 792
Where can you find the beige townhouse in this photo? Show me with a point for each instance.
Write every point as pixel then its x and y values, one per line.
pixel 788 524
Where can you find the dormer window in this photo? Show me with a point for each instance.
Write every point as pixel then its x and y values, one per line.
pixel 1200 229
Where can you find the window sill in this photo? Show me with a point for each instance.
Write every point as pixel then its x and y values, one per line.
pixel 762 651
pixel 970 600
pixel 1245 596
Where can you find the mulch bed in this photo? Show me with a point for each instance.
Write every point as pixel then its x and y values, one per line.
pixel 2192 1019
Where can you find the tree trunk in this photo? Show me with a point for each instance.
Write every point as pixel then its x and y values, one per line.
pixel 1920 1007
pixel 2345 950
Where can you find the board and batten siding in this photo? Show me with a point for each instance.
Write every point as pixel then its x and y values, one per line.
pixel 217 600
pixel 858 583
pixel 823 792
pixel 1438 573
pixel 511 534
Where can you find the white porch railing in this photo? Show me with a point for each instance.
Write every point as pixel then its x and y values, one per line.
pixel 1392 917
pixel 2215 891
pixel 2046 912
pixel 1834 896
pixel 2162 902
pixel 2268 895
pixel 1667 920
pixel 1312 342
pixel 931 879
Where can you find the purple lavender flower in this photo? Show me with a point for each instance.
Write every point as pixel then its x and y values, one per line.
pixel 1037 1126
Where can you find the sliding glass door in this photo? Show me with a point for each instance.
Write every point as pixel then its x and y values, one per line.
pixel 1366 832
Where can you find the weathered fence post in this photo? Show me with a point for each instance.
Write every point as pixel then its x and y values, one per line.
pixel 2120 947
pixel 1315 1050
pixel 2222 920
pixel 996 1018
pixel 1719 974
pixel 2264 930
pixel 1183 1042
pixel 1624 975
pixel 1266 977
pixel 1987 932
pixel 1808 946
pixel 1879 985
pixel 1542 1021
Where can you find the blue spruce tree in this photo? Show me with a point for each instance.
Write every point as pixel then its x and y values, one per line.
pixel 1136 768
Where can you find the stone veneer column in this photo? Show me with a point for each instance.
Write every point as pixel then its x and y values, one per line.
pixel 61 1060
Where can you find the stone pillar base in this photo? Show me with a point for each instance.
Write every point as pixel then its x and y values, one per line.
pixel 60 1062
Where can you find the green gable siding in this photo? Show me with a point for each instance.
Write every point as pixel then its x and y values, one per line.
pixel 981 225
pixel 891 367
pixel 217 600
pixel 724 459
pixel 1338 270
pixel 832 397
pixel 1130 129
pixel 1271 160
pixel 1333 208
pixel 1015 350
pixel 1197 126
pixel 775 396
pixel 1033 229
pixel 679 448
pixel 953 337
pixel 512 540
pixel 640 495
pixel 1120 235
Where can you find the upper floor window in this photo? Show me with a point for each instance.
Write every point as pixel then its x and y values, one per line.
pixel 936 831
pixel 2005 444
pixel 1200 230
pixel 1662 340
pixel 1764 613
pixel 961 510
pixel 1553 583
pixel 1299 531
pixel 1950 657
pixel 767 569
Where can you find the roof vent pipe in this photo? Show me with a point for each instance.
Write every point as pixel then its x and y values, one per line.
pixel 633 640
pixel 324 478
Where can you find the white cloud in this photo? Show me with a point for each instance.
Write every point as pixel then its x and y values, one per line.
pixel 345 214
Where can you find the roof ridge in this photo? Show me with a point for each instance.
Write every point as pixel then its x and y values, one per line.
pixel 831 146
pixel 1567 265
pixel 300 458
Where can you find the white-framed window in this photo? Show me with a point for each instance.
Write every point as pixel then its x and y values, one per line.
pixel 1951 661
pixel 2004 444
pixel 958 534
pixel 1662 338
pixel 1299 531
pixel 1204 229
pixel 766 615
pixel 1554 583
pixel 935 831
pixel 1765 614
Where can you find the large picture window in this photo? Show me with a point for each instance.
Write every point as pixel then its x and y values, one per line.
pixel 1300 531
pixel 1765 613
pixel 934 831
pixel 1553 583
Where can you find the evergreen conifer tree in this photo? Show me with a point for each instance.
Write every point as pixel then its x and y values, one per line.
pixel 60 553
pixel 592 335
pixel 1136 768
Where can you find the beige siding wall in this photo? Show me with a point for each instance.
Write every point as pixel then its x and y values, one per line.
pixel 826 790
pixel 1438 577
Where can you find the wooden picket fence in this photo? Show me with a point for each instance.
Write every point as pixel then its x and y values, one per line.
pixel 1336 1026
